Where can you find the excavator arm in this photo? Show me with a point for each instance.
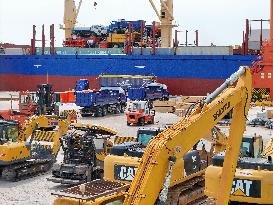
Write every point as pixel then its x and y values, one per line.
pixel 156 164
pixel 45 122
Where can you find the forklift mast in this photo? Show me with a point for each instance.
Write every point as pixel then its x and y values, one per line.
pixel 45 99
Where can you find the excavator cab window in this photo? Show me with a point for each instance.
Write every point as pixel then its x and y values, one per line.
pixel 252 146
pixel 8 131
pixel 118 202
pixel 245 149
pixel 144 136
pixel 144 139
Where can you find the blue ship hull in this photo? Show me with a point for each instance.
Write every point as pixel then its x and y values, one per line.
pixel 184 74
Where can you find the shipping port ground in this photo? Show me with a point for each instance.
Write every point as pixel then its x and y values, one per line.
pixel 37 190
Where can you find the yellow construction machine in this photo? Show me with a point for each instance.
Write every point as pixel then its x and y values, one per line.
pixel 253 180
pixel 32 148
pixel 85 147
pixel 161 158
pixel 169 171
pixel 265 101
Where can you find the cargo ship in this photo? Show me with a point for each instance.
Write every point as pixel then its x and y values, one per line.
pixel 186 70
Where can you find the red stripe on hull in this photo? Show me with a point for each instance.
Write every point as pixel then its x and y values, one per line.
pixel 176 86
pixel 191 86
pixel 11 82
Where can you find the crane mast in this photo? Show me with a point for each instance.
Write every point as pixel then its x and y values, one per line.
pixel 70 16
pixel 166 20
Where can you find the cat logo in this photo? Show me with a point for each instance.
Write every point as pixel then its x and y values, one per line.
pixel 246 188
pixel 125 173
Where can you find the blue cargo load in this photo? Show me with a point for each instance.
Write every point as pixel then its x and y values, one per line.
pixel 152 91
pixel 87 98
pixel 136 93
pixel 82 84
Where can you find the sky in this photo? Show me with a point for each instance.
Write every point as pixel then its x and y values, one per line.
pixel 220 22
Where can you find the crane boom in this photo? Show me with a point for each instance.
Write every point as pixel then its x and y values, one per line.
pixel 177 140
pixel 155 9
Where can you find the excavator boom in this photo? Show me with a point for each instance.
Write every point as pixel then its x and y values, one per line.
pixel 176 141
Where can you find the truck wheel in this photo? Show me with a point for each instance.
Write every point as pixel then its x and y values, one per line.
pixel 104 111
pixel 118 109
pixel 152 120
pixel 122 109
pixel 128 124
pixel 141 121
pixel 98 112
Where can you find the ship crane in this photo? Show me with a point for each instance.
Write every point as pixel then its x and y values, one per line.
pixel 70 16
pixel 166 18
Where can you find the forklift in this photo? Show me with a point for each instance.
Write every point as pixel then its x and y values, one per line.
pixel 140 113
pixel 40 102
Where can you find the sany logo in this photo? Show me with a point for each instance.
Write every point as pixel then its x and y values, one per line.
pixel 241 187
pixel 127 173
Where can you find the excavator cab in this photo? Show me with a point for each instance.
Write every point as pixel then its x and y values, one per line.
pixel 8 131
pixel 252 146
pixel 27 102
pixel 135 148
pixel 145 135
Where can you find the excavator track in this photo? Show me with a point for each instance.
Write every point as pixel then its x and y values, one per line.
pixel 187 193
pixel 27 169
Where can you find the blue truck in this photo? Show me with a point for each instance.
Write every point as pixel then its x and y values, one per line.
pixel 150 92
pixel 100 103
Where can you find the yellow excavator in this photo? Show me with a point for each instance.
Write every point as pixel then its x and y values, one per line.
pixel 253 180
pixel 32 148
pixel 160 166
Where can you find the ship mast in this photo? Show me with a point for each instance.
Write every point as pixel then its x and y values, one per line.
pixel 70 16
pixel 166 21
pixel 271 22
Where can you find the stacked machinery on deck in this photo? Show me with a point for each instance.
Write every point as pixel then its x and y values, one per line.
pixel 32 148
pixel 118 33
pixel 82 148
pixel 163 172
pixel 114 35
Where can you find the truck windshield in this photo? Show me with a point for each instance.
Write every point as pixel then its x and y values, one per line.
pixel 144 139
